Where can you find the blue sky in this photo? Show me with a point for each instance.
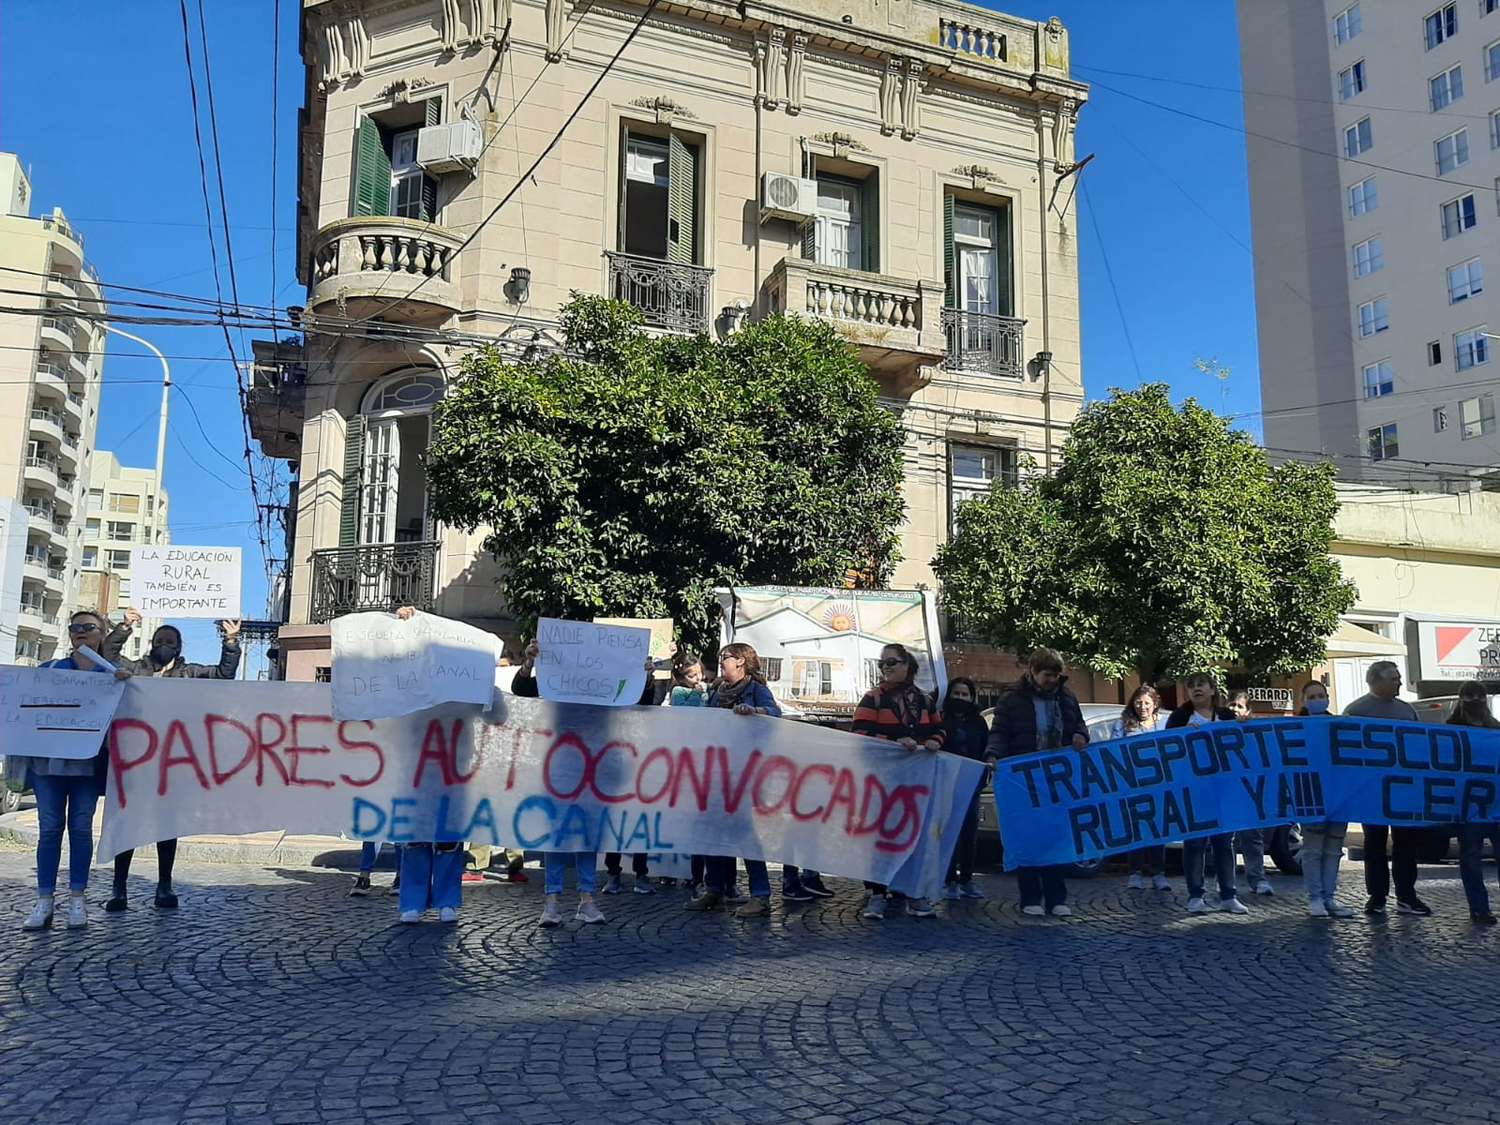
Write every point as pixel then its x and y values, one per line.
pixel 115 149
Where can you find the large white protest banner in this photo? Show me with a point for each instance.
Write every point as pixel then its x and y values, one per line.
pixel 204 756
pixel 55 712
pixel 583 662
pixel 173 581
pixel 384 667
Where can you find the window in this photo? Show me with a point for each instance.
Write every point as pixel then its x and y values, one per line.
pixel 1492 61
pixel 1439 419
pixel 1380 379
pixel 1470 349
pixel 973 469
pixel 1363 198
pixel 124 585
pixel 124 502
pixel 1383 444
pixel 1369 257
pixel 846 231
pixel 1495 128
pixel 1459 215
pixel 96 499
pixel 385 482
pixel 659 198
pixel 119 529
pixel 1446 88
pixel 771 666
pixel 118 560
pixel 387 178
pixel 91 529
pixel 1452 151
pixel 90 557
pixel 977 236
pixel 1374 316
pixel 1441 25
pixel 1352 80
pixel 1465 280
pixel 323 674
pixel 1358 138
pixel 1434 353
pixel 1347 24
pixel 1488 6
pixel 1476 416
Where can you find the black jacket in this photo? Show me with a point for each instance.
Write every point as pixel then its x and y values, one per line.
pixel 1013 730
pixel 525 686
pixel 226 669
pixel 965 733
pixel 1180 717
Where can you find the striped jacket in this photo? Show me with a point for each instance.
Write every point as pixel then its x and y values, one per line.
pixel 897 713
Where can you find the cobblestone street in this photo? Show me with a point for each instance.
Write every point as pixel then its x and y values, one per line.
pixel 271 997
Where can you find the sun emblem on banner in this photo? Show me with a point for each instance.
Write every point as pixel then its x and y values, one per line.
pixel 839 618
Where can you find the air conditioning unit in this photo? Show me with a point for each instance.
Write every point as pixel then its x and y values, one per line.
pixel 787 197
pixel 449 148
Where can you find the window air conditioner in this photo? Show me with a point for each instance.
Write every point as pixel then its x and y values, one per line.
pixel 787 197
pixel 449 148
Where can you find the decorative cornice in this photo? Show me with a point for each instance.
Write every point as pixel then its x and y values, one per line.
pixel 402 89
pixel 664 108
pixel 840 143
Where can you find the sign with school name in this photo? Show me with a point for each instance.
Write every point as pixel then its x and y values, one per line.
pixel 55 712
pixel 167 580
pixel 384 667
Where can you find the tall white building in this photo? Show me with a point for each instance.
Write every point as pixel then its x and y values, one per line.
pixel 1373 130
pixel 123 512
pixel 51 367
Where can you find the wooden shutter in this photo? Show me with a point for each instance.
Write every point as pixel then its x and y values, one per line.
pixel 682 199
pixel 810 239
pixel 869 206
pixel 1005 298
pixel 950 266
pixel 624 164
pixel 354 458
pixel 372 171
pixel 432 110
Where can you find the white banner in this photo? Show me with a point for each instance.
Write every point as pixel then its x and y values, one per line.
pixel 171 581
pixel 384 667
pixel 228 757
pixel 55 712
pixel 581 662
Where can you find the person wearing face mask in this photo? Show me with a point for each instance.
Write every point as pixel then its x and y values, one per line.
pixel 1205 705
pixel 164 660
pixel 1473 710
pixel 965 734
pixel 1322 841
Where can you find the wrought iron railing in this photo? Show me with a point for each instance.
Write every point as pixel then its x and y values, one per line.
pixel 382 576
pixel 983 342
pixel 672 296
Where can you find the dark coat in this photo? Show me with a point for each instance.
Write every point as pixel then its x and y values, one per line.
pixel 226 669
pixel 1013 729
pixel 1180 717
pixel 965 734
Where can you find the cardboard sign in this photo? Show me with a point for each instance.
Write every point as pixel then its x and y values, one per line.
pixel 172 581
pixel 384 667
pixel 55 713
pixel 581 662
pixel 661 632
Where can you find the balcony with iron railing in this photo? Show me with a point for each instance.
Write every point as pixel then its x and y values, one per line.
pixel 403 269
pixel 58 331
pixel 671 296
pixel 382 576
pixel 52 376
pixel 983 343
pixel 59 225
pixel 47 424
pixel 42 471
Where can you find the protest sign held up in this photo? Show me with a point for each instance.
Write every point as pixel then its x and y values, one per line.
pixel 661 632
pixel 55 712
pixel 172 581
pixel 583 662
pixel 384 667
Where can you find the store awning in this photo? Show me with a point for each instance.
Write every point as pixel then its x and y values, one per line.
pixel 1355 640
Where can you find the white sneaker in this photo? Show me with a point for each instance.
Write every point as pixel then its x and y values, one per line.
pixel 1264 888
pixel 1161 883
pixel 448 914
pixel 920 908
pixel 875 908
pixel 1317 910
pixel 1197 906
pixel 1233 906
pixel 1062 910
pixel 78 912
pixel 551 916
pixel 40 917
pixel 1137 882
pixel 589 913
pixel 1034 911
pixel 1335 910
pixel 411 917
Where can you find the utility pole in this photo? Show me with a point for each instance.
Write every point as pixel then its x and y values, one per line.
pixel 161 427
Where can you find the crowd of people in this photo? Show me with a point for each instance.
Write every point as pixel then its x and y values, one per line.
pixel 1039 713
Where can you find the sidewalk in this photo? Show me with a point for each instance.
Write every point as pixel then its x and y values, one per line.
pixel 262 849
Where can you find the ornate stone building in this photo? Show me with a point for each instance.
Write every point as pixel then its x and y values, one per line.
pixel 897 167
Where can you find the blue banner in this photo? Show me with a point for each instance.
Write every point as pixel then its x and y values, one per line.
pixel 1061 806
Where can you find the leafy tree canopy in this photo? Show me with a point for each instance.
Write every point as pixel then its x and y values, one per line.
pixel 630 474
pixel 1165 543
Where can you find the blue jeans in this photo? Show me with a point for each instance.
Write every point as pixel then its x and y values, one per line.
pixel 557 864
pixel 719 873
pixel 431 876
pixel 1194 863
pixel 1470 855
pixel 70 802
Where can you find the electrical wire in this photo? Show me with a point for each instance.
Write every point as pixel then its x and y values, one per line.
pixel 1110 274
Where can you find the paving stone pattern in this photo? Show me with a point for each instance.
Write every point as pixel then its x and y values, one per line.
pixel 270 997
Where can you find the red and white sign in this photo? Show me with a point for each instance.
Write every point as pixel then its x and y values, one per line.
pixel 1458 651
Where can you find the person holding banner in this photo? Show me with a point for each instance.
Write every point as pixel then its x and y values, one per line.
pixel 164 659
pixel 1143 715
pixel 1473 710
pixel 1204 706
pixel 964 734
pixel 67 792
pixel 1039 713
pixel 1251 842
pixel 1322 842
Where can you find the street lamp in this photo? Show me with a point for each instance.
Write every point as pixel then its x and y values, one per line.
pixel 161 427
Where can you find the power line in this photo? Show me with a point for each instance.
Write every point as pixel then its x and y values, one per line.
pixel 275 125
pixel 1110 274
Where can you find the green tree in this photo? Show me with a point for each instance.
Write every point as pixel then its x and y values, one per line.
pixel 630 474
pixel 1165 543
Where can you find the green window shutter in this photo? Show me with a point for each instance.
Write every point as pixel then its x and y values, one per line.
pixel 682 202
pixel 810 239
pixel 869 205
pixel 1005 299
pixel 354 459
pixel 620 216
pixel 372 171
pixel 429 199
pixel 950 267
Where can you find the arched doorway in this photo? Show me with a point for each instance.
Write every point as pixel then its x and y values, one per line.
pixel 396 418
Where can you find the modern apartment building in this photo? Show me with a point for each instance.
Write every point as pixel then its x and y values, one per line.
pixel 1373 129
pixel 897 169
pixel 51 366
pixel 123 511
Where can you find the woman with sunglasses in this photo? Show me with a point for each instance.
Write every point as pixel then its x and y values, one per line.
pixel 898 711
pixel 67 791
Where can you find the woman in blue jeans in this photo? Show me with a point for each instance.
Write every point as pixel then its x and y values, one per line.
pixel 1473 710
pixel 67 792
pixel 1204 706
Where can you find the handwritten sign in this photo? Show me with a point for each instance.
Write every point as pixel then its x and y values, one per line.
pixel 172 581
pixel 384 667
pixel 580 662
pixel 55 713
pixel 661 632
